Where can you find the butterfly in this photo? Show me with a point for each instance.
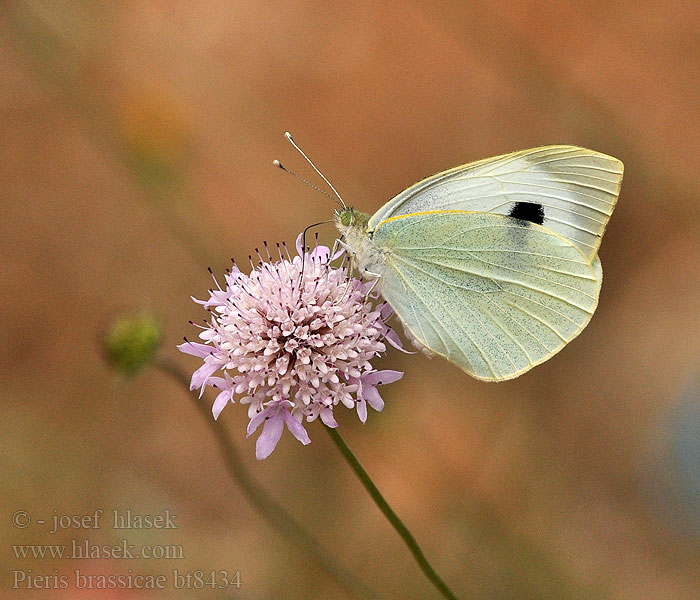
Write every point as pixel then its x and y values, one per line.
pixel 494 264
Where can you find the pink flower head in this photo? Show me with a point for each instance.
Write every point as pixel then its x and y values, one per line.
pixel 293 340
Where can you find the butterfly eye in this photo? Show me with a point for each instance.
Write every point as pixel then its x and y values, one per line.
pixel 346 218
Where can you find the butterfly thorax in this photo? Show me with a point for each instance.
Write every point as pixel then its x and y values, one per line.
pixel 367 257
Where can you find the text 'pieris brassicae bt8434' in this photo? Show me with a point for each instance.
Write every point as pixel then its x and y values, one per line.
pixel 493 264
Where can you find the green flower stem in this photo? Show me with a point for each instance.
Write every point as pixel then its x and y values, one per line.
pixel 261 501
pixel 393 518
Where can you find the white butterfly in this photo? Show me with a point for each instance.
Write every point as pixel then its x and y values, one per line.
pixel 493 264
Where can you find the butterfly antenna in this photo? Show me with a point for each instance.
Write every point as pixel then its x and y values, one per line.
pixel 279 165
pixel 330 185
pixel 303 249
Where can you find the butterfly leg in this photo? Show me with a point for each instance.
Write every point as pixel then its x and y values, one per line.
pixel 342 244
pixel 351 263
pixel 374 284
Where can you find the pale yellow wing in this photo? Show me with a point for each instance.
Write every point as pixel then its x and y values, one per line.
pixel 572 189
pixel 492 294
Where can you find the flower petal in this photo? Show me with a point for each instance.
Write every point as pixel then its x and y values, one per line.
pixel 272 432
pixel 296 428
pixel 382 377
pixel 362 409
pixel 201 375
pixel 258 418
pixel 370 393
pixel 327 417
pixel 395 341
pixel 386 311
pixel 195 349
pixel 219 382
pixel 340 250
pixel 320 254
pixel 221 401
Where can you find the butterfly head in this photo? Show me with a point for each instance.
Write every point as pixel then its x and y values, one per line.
pixel 349 218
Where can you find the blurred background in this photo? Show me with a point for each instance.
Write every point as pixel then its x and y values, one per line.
pixel 136 142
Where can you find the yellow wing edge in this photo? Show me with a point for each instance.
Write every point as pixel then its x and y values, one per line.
pixel 474 212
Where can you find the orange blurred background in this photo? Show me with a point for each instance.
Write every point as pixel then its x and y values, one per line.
pixel 136 142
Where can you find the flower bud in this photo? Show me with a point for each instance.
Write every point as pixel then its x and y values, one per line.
pixel 131 341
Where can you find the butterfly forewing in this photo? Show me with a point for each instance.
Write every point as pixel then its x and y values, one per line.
pixel 573 191
pixel 493 294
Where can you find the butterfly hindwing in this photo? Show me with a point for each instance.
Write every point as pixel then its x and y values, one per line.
pixel 494 294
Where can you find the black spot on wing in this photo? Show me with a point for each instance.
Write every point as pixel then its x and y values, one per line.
pixel 528 211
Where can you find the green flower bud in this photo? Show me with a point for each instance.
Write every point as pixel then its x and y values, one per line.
pixel 131 341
